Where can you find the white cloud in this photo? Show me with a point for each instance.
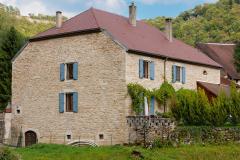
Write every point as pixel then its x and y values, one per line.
pixel 117 6
pixel 175 1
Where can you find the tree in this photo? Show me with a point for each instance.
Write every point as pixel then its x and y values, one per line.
pixel 237 57
pixel 11 44
pixel 164 93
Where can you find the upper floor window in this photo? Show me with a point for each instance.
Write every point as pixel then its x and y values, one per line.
pixel 178 74
pixel 146 69
pixel 68 71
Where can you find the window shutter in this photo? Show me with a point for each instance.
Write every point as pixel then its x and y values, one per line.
pixel 174 74
pixel 61 102
pixel 75 102
pixel 152 106
pixel 62 72
pixel 75 71
pixel 183 75
pixel 152 70
pixel 141 69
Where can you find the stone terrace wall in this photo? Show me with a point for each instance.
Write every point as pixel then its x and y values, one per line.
pixel 144 129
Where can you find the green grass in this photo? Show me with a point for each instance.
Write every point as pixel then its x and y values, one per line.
pixel 195 152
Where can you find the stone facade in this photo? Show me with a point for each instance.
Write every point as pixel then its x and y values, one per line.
pixel 104 70
pixel 101 87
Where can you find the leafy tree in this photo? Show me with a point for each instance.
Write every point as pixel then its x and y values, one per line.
pixel 9 48
pixel 164 94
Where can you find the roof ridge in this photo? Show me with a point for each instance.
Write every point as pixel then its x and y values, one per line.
pixel 92 10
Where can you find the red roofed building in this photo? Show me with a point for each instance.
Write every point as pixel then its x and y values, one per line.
pixel 70 82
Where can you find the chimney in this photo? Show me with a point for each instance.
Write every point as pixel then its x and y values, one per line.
pixel 132 14
pixel 168 29
pixel 58 19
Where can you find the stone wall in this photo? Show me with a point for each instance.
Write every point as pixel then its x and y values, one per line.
pixel 2 127
pixel 101 88
pixel 145 129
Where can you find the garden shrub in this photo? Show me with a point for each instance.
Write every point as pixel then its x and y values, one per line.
pixel 7 154
pixel 234 106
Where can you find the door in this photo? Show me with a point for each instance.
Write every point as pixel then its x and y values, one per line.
pixel 30 138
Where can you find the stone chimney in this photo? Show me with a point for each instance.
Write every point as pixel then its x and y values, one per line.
pixel 132 14
pixel 168 29
pixel 59 19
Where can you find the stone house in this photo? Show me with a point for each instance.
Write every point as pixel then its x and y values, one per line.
pixel 69 83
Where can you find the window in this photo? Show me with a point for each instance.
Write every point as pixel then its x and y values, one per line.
pixel 70 71
pixel 145 68
pixel 205 72
pixel 101 136
pixel 69 137
pixel 69 102
pixel 178 73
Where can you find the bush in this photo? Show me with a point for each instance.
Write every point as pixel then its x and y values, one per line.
pixel 191 107
pixel 159 143
pixel 7 154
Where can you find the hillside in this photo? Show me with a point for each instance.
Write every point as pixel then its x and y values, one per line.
pixel 219 22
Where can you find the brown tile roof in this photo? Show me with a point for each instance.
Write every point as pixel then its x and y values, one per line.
pixel 215 89
pixel 143 38
pixel 222 54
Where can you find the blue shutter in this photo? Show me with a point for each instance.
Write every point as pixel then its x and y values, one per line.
pixel 152 106
pixel 62 72
pixel 61 102
pixel 152 70
pixel 141 69
pixel 75 71
pixel 174 74
pixel 183 75
pixel 75 102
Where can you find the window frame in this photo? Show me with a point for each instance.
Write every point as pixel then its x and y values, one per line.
pixel 178 79
pixel 67 74
pixel 66 107
pixel 146 69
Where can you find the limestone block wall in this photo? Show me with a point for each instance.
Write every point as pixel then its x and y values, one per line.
pixel 101 88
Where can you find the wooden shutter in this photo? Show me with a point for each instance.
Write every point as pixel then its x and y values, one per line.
pixel 61 102
pixel 152 106
pixel 75 71
pixel 75 102
pixel 174 74
pixel 152 70
pixel 183 75
pixel 141 69
pixel 62 72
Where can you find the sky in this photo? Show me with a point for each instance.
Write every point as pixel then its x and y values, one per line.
pixel 145 8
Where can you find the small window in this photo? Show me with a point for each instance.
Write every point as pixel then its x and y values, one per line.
pixel 101 136
pixel 18 111
pixel 69 102
pixel 145 67
pixel 178 73
pixel 205 72
pixel 69 137
pixel 69 71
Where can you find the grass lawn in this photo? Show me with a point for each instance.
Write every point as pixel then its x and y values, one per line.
pixel 195 152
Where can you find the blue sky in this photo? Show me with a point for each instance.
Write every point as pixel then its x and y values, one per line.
pixel 146 8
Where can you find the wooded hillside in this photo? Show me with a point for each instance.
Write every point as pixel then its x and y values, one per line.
pixel 219 22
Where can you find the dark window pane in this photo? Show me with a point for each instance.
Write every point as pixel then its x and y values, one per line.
pixel 69 71
pixel 178 74
pixel 145 65
pixel 69 102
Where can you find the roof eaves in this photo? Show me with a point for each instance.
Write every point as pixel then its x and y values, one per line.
pixel 66 34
